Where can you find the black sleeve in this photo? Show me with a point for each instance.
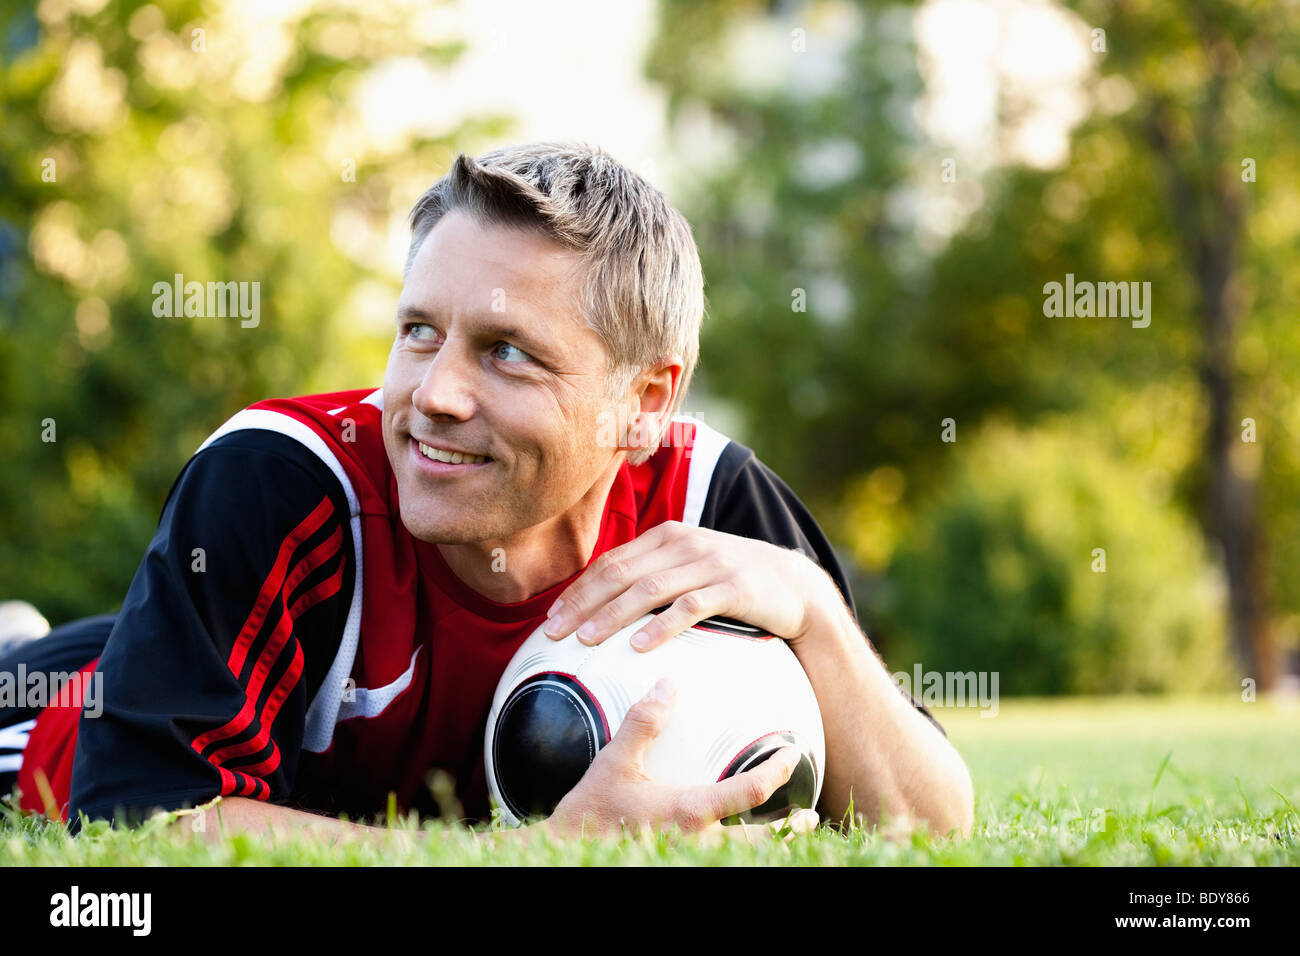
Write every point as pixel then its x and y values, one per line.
pixel 205 680
pixel 749 499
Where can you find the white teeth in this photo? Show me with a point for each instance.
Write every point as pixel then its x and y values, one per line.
pixel 450 457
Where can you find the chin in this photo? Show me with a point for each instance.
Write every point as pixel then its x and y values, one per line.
pixel 437 529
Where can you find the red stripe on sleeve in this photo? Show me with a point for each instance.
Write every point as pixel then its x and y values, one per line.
pixel 282 689
pixel 274 582
pixel 284 686
pixel 319 555
pixel 279 583
pixel 266 659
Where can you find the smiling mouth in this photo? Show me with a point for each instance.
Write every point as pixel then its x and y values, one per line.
pixel 451 457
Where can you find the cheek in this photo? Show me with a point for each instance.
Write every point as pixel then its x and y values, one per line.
pixel 560 440
pixel 583 454
pixel 397 387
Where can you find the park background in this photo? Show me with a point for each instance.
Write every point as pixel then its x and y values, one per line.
pixel 880 193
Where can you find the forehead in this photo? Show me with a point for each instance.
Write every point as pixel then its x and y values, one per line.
pixel 465 267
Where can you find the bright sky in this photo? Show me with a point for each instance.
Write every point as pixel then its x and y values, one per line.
pixel 571 69
pixel 1031 51
pixel 564 69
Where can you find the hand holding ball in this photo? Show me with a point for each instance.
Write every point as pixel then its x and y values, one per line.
pixel 741 697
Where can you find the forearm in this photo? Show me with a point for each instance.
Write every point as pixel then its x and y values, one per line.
pixel 233 815
pixel 880 750
pixel 240 814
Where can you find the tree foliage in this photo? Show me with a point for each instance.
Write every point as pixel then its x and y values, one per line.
pixel 1051 562
pixel 849 399
pixel 145 141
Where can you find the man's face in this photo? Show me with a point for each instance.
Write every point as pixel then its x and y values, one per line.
pixel 492 359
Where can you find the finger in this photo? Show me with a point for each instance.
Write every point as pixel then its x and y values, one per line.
pixel 642 723
pixel 805 821
pixel 747 790
pixel 652 589
pixel 798 821
pixel 610 575
pixel 686 611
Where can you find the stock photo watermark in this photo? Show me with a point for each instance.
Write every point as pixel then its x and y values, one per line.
pixel 31 690
pixel 217 300
pixel 76 908
pixel 614 428
pixel 1103 300
pixel 952 688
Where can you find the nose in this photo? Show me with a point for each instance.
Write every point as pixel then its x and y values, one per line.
pixel 445 390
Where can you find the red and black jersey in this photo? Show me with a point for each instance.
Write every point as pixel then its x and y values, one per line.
pixel 286 639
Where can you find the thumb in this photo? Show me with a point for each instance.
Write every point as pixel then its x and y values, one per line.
pixel 643 721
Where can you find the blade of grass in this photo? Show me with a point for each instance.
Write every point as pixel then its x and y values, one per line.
pixel 1250 813
pixel 1155 783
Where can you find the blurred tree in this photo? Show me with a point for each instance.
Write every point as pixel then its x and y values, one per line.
pixel 142 141
pixel 1164 184
pixel 820 191
pixel 811 279
pixel 1006 572
pixel 1214 82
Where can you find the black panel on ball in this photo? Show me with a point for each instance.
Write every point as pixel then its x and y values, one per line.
pixel 795 793
pixel 546 736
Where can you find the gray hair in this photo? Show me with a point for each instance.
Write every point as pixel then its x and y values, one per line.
pixel 644 288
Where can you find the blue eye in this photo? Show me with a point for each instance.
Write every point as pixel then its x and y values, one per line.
pixel 504 350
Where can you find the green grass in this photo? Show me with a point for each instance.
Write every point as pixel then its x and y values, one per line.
pixel 1123 781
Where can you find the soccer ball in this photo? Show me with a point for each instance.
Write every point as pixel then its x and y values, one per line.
pixel 741 696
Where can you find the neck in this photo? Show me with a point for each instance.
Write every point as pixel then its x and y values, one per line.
pixel 509 570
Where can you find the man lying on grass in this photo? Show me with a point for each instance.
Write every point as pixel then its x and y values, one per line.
pixel 338 581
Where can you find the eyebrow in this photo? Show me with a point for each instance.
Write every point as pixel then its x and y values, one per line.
pixel 409 313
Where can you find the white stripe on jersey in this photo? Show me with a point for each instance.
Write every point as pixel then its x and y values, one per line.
pixel 705 451
pixel 372 701
pixel 15 737
pixel 375 398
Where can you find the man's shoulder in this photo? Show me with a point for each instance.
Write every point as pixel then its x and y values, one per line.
pixel 673 483
pixel 335 418
pixel 326 405
pixel 711 480
pixel 703 468
pixel 336 436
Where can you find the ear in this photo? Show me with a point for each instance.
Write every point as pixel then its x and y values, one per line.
pixel 651 396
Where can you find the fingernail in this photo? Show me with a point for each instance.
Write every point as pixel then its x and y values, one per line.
pixel 552 629
pixel 640 639
pixel 663 690
pixel 559 603
pixel 586 632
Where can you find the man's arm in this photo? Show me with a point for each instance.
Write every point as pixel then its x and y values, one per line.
pixel 614 797
pixel 750 500
pixel 218 649
pixel 881 753
pixel 240 814
pixel 758 555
